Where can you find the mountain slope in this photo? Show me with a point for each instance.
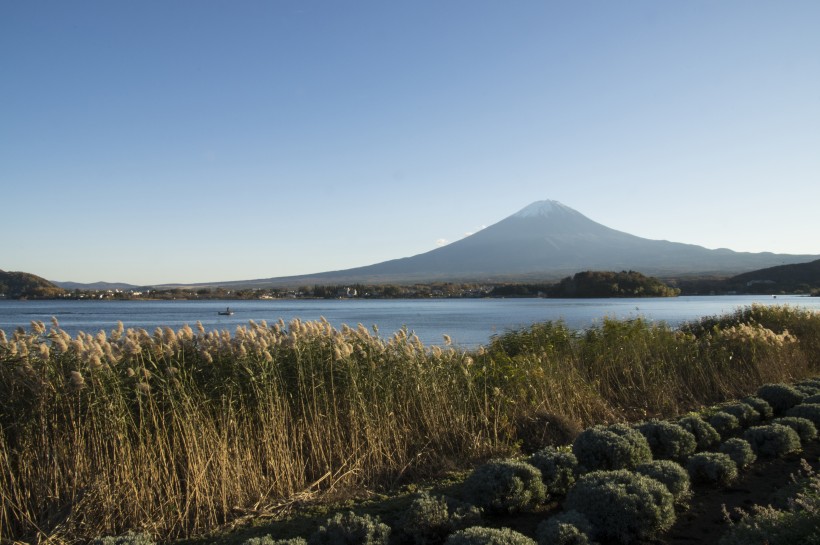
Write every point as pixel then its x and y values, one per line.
pixel 546 240
pixel 15 285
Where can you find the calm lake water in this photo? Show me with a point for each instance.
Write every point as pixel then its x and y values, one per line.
pixel 470 322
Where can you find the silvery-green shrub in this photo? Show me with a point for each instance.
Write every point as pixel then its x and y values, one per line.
pixel 610 447
pixel 129 538
pixel 478 535
pixel 808 387
pixel 351 529
pixel 268 540
pixel 705 435
pixel 567 528
pixel 809 411
pixel 781 397
pixel 804 427
pixel 760 405
pixel 671 475
pixel 712 468
pixel 668 441
pixel 429 520
pixel 505 486
pixel 558 469
pixel 772 440
pixel 740 451
pixel 724 423
pixel 622 506
pixel 746 415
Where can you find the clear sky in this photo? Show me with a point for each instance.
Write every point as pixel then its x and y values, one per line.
pixel 195 140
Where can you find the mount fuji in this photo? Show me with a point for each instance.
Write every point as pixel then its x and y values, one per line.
pixel 546 240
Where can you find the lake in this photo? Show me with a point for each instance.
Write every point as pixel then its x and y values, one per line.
pixel 470 322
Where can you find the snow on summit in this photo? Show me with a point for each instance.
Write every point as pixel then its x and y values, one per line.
pixel 539 209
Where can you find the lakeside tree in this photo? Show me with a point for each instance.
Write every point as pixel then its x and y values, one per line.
pixel 599 284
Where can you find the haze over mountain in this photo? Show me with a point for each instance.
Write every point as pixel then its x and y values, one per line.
pixel 546 240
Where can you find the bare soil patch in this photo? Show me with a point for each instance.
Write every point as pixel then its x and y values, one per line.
pixel 705 523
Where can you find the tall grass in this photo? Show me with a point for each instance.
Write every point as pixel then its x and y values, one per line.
pixel 176 432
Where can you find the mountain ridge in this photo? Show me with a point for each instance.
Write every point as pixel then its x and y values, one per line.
pixel 545 240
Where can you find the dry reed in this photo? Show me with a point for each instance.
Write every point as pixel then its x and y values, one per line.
pixel 177 432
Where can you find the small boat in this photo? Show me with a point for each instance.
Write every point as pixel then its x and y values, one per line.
pixel 226 312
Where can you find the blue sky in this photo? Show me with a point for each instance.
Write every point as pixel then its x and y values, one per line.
pixel 194 141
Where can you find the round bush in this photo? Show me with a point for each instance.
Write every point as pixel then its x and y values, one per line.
pixel 668 441
pixel 809 387
pixel 712 468
pixel 809 411
pixel 781 397
pixel 671 475
pixel 505 486
pixel 724 423
pixel 760 405
pixel 268 540
pixel 803 426
pixel 567 528
pixel 740 451
pixel 622 507
pixel 351 529
pixel 610 447
pixel 536 431
pixel 745 413
pixel 130 538
pixel 429 520
pixel 772 440
pixel 478 535
pixel 705 435
pixel 558 469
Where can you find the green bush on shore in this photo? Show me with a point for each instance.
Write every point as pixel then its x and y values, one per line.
pixel 622 506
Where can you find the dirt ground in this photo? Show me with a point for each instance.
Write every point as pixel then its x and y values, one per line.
pixel 704 523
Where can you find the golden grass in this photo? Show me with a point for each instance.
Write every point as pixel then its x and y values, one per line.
pixel 177 432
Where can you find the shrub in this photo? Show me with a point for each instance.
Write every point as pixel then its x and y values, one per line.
pixel 543 428
pixel 760 405
pixel 712 468
pixel 809 387
pixel 804 427
pixel 668 441
pixel 351 529
pixel 670 474
pixel 611 447
pixel 781 397
pixel 746 414
pixel 740 451
pixel 797 522
pixel 812 399
pixel 558 469
pixel 130 538
pixel 705 435
pixel 268 540
pixel 622 506
pixel 505 486
pixel 772 440
pixel 478 535
pixel 567 528
pixel 430 520
pixel 724 423
pixel 809 411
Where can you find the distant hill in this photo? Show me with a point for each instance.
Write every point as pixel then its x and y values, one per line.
pixel 101 286
pixel 600 284
pixel 802 277
pixel 17 285
pixel 544 241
